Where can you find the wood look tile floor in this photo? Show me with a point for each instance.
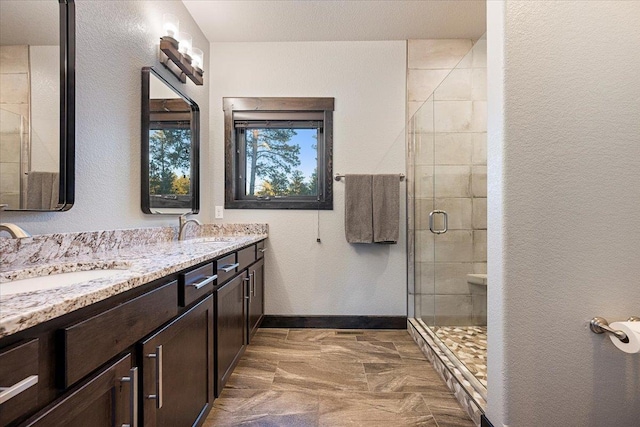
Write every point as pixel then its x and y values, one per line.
pixel 333 378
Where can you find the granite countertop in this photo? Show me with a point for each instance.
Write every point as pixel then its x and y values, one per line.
pixel 145 263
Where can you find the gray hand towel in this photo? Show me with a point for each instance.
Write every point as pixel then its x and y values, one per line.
pixel 386 208
pixel 358 218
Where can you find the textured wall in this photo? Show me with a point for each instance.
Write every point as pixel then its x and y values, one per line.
pixel 114 41
pixel 564 230
pixel 367 80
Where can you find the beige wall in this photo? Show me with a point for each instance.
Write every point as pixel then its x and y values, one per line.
pixel 564 228
pixel 114 41
pixel 367 80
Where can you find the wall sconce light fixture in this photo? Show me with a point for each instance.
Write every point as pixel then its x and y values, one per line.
pixel 177 53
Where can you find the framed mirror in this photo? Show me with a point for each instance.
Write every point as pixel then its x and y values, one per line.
pixel 170 148
pixel 37 104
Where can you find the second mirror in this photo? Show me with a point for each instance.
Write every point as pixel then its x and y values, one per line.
pixel 170 148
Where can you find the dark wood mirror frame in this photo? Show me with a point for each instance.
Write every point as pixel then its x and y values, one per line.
pixel 67 29
pixel 194 205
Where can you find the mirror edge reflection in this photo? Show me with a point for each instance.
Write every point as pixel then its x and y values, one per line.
pixel 145 195
pixel 66 193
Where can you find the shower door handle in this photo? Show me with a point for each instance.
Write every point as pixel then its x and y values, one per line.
pixel 445 217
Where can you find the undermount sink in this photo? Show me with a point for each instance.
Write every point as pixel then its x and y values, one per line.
pixel 48 279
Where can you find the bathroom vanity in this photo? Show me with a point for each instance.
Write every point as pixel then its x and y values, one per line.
pixel 152 346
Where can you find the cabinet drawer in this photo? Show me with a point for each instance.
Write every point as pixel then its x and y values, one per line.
pixel 260 250
pixel 90 343
pixel 227 267
pixel 196 283
pixel 18 378
pixel 106 399
pixel 246 256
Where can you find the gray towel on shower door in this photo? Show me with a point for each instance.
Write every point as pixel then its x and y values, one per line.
pixel 386 208
pixel 358 209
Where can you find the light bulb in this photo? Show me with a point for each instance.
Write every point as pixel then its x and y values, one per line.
pixel 197 57
pixel 184 40
pixel 170 25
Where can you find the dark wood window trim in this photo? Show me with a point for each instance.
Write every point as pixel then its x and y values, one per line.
pixel 234 108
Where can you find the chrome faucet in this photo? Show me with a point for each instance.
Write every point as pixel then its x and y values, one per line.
pixel 15 231
pixel 183 223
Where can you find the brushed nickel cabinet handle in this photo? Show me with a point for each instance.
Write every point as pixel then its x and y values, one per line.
pixel 205 282
pixel 228 267
pixel 263 250
pixel 253 288
pixel 133 397
pixel 7 393
pixel 158 396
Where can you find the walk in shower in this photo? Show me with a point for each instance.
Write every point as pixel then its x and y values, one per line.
pixel 447 224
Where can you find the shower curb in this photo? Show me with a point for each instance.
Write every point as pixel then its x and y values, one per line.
pixel 470 400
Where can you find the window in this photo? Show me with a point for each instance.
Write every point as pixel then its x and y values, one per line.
pixel 278 153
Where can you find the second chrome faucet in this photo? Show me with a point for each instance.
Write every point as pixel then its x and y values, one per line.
pixel 183 223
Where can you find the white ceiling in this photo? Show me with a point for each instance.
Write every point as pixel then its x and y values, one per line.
pixel 337 20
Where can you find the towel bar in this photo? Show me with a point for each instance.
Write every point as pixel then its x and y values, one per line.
pixel 338 176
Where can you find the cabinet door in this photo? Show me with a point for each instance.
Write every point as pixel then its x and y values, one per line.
pixel 231 328
pixel 177 383
pixel 106 399
pixel 256 297
pixel 18 381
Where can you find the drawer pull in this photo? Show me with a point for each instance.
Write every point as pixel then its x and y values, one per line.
pixel 158 396
pixel 7 393
pixel 263 250
pixel 228 267
pixel 133 396
pixel 205 282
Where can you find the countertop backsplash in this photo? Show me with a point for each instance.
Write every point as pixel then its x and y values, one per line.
pixel 48 248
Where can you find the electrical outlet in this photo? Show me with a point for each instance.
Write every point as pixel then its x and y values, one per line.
pixel 219 212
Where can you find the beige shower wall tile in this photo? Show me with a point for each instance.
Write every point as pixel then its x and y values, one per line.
pixel 422 120
pixel 424 278
pixel 9 177
pixel 14 59
pixel 480 54
pixel 479 148
pixel 454 246
pixel 9 147
pixel 458 86
pixel 451 278
pixel 11 199
pixel 452 181
pixel 14 88
pixel 422 208
pixel 480 213
pixel 423 148
pixel 479 181
pixel 480 246
pixel 460 116
pixel 479 84
pixel 459 212
pixel 454 148
pixel 437 53
pixel 422 83
pixel 424 181
pixel 424 242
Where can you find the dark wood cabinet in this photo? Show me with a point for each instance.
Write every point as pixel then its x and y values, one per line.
pixel 231 327
pixel 106 399
pixel 155 355
pixel 255 290
pixel 18 380
pixel 177 362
